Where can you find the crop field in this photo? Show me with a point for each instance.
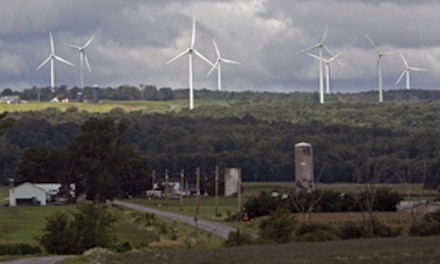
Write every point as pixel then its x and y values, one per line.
pixel 390 250
pixel 106 106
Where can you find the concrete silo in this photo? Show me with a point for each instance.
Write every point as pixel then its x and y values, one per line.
pixel 232 181
pixel 304 174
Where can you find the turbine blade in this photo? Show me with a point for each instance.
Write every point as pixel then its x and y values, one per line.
pixel 52 46
pixel 401 76
pixel 178 56
pixel 89 41
pixel 373 43
pixel 202 57
pixel 314 56
pixel 324 36
pixel 213 68
pixel 404 59
pixel 230 61
pixel 328 51
pixel 86 60
pixel 417 69
pixel 62 60
pixel 73 46
pixel 309 48
pixel 390 52
pixel 43 63
pixel 193 34
pixel 216 48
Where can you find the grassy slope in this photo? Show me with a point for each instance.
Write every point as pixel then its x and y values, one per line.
pixel 392 250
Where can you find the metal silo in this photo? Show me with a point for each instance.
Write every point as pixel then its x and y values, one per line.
pixel 304 174
pixel 95 94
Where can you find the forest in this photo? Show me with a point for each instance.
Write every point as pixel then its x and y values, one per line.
pixel 353 140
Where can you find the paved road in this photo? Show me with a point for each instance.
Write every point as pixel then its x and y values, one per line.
pixel 39 260
pixel 209 226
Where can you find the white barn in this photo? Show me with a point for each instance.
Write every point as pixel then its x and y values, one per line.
pixel 26 192
pixel 35 193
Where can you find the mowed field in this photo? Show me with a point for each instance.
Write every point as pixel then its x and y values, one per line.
pixel 106 106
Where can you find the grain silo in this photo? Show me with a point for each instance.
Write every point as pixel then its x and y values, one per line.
pixel 95 94
pixel 232 181
pixel 304 175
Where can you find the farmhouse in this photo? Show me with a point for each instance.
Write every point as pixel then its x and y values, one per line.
pixel 36 194
pixel 10 99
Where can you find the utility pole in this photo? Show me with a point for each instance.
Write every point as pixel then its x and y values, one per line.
pixel 166 187
pixel 182 176
pixel 153 179
pixel 197 189
pixel 216 190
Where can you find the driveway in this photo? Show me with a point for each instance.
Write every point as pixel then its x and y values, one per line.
pixel 216 228
pixel 38 260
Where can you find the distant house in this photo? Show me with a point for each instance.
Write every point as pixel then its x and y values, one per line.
pixel 36 193
pixel 10 99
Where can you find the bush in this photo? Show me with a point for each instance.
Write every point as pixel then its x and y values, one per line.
pixel 380 229
pixel 352 230
pixel 316 232
pixel 279 227
pixel 429 226
pixel 91 226
pixel 19 249
pixel 238 238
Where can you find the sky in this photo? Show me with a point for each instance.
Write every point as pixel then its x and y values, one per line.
pixel 136 38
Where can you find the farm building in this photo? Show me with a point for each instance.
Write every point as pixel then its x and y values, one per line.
pixel 422 207
pixel 36 194
pixel 232 181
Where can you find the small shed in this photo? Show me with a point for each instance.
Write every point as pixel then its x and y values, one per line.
pixel 27 194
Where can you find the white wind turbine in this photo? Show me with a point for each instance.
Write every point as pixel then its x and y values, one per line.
pixel 321 46
pixel 189 51
pixel 217 65
pixel 327 68
pixel 51 58
pixel 380 55
pixel 407 71
pixel 83 58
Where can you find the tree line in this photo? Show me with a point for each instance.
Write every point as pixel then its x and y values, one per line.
pixel 353 142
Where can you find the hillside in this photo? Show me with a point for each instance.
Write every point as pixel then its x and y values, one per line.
pixel 352 141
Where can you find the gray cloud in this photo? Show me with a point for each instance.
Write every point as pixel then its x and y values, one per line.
pixel 135 39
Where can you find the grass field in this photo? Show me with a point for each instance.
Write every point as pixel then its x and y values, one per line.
pixel 24 224
pixel 390 250
pixel 106 106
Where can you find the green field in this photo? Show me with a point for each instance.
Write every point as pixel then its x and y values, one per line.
pixel 106 106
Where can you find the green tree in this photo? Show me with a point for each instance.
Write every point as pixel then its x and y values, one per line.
pixel 90 226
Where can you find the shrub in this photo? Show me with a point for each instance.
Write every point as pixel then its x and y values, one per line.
pixel 91 226
pixel 19 249
pixel 380 229
pixel 237 238
pixel 352 230
pixel 279 227
pixel 429 226
pixel 316 232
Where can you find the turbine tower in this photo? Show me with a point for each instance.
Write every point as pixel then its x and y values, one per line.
pixel 380 55
pixel 190 51
pixel 407 71
pixel 51 58
pixel 327 68
pixel 217 65
pixel 83 58
pixel 320 46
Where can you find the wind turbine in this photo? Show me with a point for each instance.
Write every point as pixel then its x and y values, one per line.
pixel 380 55
pixel 190 51
pixel 407 71
pixel 217 65
pixel 83 58
pixel 320 46
pixel 327 68
pixel 51 58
